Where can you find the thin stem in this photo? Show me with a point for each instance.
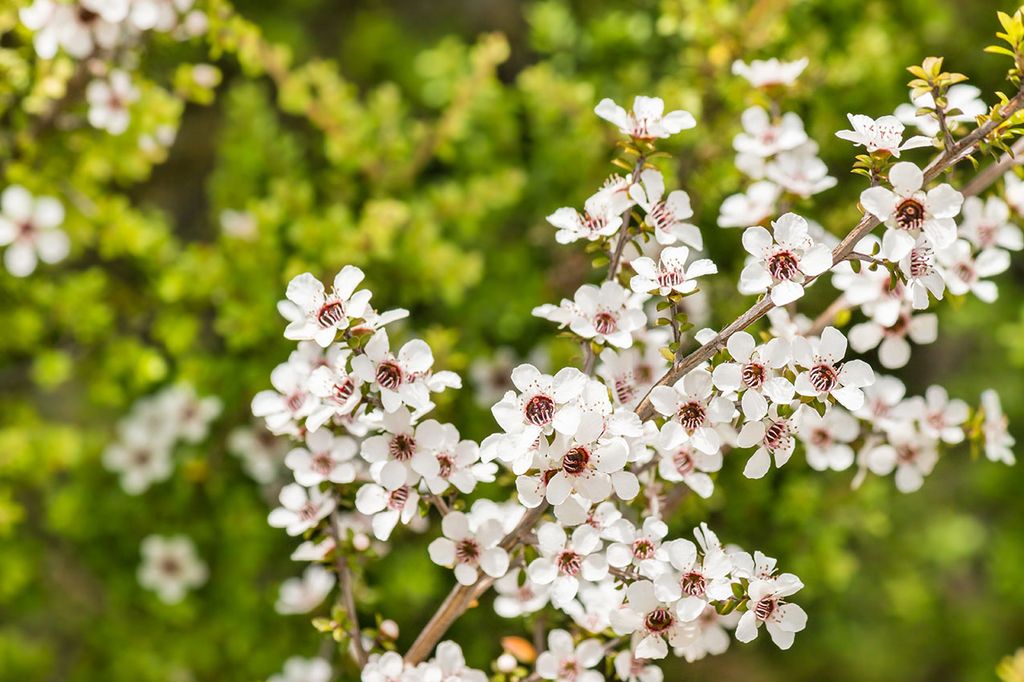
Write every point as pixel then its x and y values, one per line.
pixel 347 596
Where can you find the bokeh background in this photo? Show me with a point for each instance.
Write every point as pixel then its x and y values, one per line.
pixel 425 141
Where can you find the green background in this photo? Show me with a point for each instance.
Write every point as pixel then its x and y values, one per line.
pixel 425 141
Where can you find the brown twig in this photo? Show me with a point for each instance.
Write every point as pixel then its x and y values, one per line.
pixel 347 595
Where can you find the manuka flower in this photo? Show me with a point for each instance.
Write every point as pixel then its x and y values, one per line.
pixel 784 261
pixel 647 120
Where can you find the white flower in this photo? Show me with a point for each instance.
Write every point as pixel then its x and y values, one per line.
pixel 593 606
pixel 564 560
pixel 670 273
pixel 827 437
pixel 337 389
pixel 323 314
pixel 1014 190
pixel 800 172
pixel 762 73
pixel 962 96
pixel 29 228
pixel 986 225
pixel 909 211
pixel 515 598
pixel 923 275
pixel 78 28
pixel 940 417
pixel 326 457
pixel 689 402
pixel 667 217
pixel 638 547
pixel 911 454
pixel 458 463
pixel 261 452
pixel 109 102
pixel 190 414
pixel 680 461
pixel 300 509
pixel 468 547
pixel 400 378
pixel 601 217
pixel 566 662
pixel 139 458
pixel 170 567
pixel 632 669
pixel 654 619
pixel 544 403
pixel 707 635
pixel 762 137
pixel 647 120
pixel 289 402
pixel 893 348
pixel 589 467
pixel 966 273
pixel 884 407
pixel 773 436
pixel 403 453
pixel 699 577
pixel 784 262
pixel 302 595
pixel 298 669
pixel 607 314
pixel 884 134
pixel 826 374
pixel 767 605
pixel 387 507
pixel 447 665
pixel 753 373
pixel 998 441
pixel 752 207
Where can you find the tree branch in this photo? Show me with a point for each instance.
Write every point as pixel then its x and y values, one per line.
pixel 347 596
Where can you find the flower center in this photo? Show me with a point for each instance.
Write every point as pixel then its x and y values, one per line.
pixel 965 271
pixel 659 620
pixel 322 463
pixel 692 415
pixel 625 390
pixel 575 461
pixel 764 608
pixel 402 447
pixel 605 323
pixel 445 463
pixel 397 498
pixel 669 277
pixel 776 435
pixel 683 461
pixel 910 214
pixel 921 262
pixel 389 375
pixel 907 453
pixel 467 551
pixel 141 457
pixel 821 438
pixel 824 377
pixel 783 265
pixel 568 670
pixel 343 390
pixel 170 566
pixel 295 401
pixel 330 314
pixel 661 218
pixel 540 410
pixel 643 549
pixel 693 584
pixel 754 375
pixel 569 563
pixel 308 511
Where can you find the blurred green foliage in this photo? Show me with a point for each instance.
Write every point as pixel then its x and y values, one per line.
pixel 425 141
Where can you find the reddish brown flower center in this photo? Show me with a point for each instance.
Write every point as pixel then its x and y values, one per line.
pixel 754 375
pixel 643 549
pixel 683 461
pixel 402 447
pixel 824 377
pixel 331 314
pixel 783 265
pixel 910 214
pixel 693 584
pixel 692 415
pixel 389 375
pixel 605 323
pixel 397 498
pixel 569 563
pixel 467 551
pixel 659 620
pixel 575 460
pixel 764 608
pixel 540 410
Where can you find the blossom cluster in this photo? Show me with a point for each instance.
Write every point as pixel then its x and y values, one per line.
pixel 143 453
pixel 591 450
